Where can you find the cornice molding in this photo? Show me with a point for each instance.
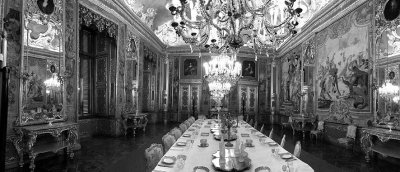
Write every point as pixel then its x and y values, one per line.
pixel 120 11
pixel 322 19
pixel 187 51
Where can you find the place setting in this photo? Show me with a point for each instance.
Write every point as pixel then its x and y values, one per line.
pixel 203 143
pixel 167 161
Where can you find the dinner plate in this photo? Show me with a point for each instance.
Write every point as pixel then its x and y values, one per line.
pixel 181 143
pixel 262 169
pixel 272 143
pixel 186 135
pixel 191 129
pixel 203 145
pixel 200 169
pixel 205 134
pixel 286 156
pixel 245 135
pixel 169 160
pixel 249 145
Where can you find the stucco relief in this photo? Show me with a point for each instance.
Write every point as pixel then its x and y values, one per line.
pixel 344 61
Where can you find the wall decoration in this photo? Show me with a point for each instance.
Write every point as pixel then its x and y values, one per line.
pixel 43 24
pixel 88 17
pixel 46 6
pixel 190 68
pixel 249 69
pixel 344 61
pixel 291 77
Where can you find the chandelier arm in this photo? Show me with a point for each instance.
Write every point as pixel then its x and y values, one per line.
pixel 248 26
pixel 255 11
pixel 192 24
pixel 209 18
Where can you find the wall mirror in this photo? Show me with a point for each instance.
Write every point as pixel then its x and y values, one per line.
pixel 42 65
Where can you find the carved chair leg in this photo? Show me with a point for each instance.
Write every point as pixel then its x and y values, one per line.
pixel 32 158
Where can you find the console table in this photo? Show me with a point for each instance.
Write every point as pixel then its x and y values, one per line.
pixel 134 121
pixel 368 146
pixel 299 124
pixel 62 135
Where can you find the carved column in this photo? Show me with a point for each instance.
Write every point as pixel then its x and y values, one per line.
pixel 71 58
pixel 273 95
pixel 139 76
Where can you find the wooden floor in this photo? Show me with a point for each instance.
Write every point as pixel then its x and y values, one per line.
pixel 126 154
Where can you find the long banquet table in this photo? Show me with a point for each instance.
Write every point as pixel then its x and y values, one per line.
pixel 260 154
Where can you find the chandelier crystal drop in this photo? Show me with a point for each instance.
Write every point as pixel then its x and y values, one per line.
pixel 227 25
pixel 222 69
pixel 221 73
pixel 388 90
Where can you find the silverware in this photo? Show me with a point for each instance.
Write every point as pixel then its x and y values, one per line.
pixel 163 165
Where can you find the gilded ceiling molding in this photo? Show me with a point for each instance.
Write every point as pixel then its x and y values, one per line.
pixel 123 13
pixel 147 17
pixel 88 17
pixel 320 21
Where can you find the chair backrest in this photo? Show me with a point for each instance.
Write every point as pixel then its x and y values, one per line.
pixel 320 126
pixel 168 140
pixel 202 117
pixel 271 133
pixel 297 149
pixel 191 119
pixel 290 120
pixel 251 122
pixel 262 129
pixel 176 132
pixel 247 118
pixel 283 141
pixel 182 127
pixel 187 123
pixel 351 131
pixel 240 117
pixel 256 124
pixel 153 155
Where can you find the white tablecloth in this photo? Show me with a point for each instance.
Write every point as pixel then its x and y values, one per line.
pixel 260 154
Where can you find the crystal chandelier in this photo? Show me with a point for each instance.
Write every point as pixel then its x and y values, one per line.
pixel 221 73
pixel 52 83
pixel 222 69
pixel 388 90
pixel 221 25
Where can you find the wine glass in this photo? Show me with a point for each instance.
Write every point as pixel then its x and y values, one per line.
pixel 390 125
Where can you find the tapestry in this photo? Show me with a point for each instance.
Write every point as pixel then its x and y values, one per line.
pixel 291 77
pixel 343 61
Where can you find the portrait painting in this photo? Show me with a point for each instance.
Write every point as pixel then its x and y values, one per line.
pixel 249 69
pixel 190 67
pixel 46 6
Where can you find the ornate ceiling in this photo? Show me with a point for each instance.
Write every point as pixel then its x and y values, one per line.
pixel 154 14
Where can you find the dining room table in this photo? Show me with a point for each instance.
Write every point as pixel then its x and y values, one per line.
pixel 189 156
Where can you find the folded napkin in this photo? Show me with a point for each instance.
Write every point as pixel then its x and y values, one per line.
pixel 205 134
pixel 245 135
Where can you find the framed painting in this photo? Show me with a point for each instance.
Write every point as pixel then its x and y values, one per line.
pixel 249 69
pixel 190 68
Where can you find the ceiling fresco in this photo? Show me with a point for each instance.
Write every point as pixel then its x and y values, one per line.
pixel 155 15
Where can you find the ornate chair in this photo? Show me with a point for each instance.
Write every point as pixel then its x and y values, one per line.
pixel 202 117
pixel 187 123
pixel 251 122
pixel 350 138
pixel 248 118
pixel 283 141
pixel 176 132
pixel 297 149
pixel 153 155
pixel 240 117
pixel 271 133
pixel 183 127
pixel 262 129
pixel 287 124
pixel 318 131
pixel 168 140
pixel 191 119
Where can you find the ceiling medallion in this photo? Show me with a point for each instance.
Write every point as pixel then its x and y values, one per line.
pixel 228 25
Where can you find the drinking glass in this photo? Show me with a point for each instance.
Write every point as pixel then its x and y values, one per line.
pixel 180 161
pixel 290 166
